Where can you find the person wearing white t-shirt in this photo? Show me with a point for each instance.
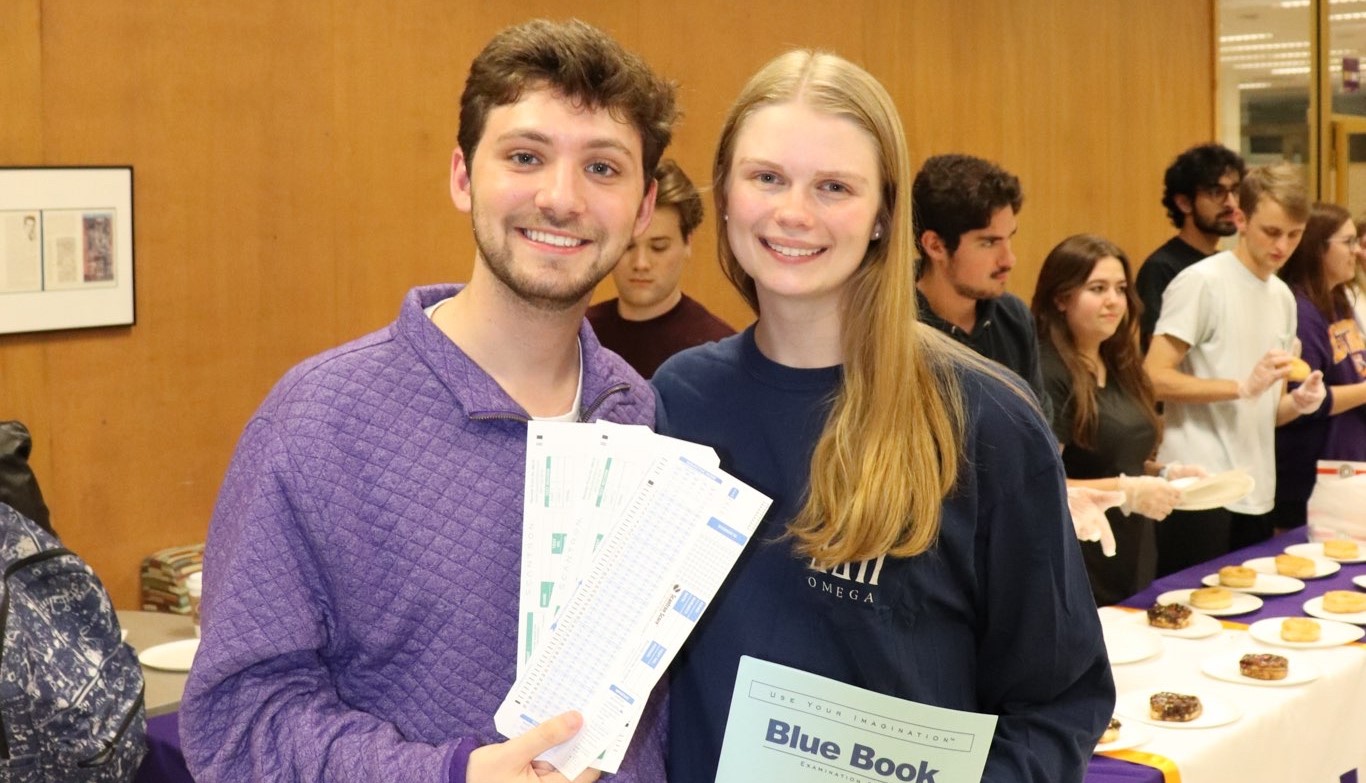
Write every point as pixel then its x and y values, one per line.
pixel 1220 353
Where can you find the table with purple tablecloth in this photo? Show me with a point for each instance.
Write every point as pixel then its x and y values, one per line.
pixel 1272 605
pixel 1347 667
pixel 165 764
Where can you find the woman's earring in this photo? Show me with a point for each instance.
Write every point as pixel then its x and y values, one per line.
pixel 877 233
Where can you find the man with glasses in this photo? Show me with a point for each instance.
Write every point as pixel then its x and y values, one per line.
pixel 1200 192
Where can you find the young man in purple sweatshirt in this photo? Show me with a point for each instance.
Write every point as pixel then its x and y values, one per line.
pixel 361 573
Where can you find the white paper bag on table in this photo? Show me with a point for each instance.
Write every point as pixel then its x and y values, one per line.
pixel 1337 507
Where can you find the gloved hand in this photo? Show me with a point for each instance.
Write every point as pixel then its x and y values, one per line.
pixel 1273 366
pixel 1308 396
pixel 1176 470
pixel 1088 515
pixel 1148 495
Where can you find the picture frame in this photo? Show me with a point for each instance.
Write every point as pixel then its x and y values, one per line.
pixel 66 247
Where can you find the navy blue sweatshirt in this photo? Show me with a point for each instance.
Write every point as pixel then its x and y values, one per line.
pixel 997 617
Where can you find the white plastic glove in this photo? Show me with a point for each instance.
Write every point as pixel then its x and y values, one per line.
pixel 1308 396
pixel 1177 470
pixel 1148 495
pixel 1088 515
pixel 1273 366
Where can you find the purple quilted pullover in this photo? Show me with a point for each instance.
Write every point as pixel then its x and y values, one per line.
pixel 361 573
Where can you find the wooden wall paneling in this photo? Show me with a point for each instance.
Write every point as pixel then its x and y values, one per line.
pixel 398 74
pixel 23 358
pixel 208 104
pixel 291 182
pixel 21 89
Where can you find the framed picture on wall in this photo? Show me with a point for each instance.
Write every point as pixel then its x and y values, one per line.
pixel 66 247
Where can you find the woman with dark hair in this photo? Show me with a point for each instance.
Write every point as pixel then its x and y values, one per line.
pixel 1318 273
pixel 1104 413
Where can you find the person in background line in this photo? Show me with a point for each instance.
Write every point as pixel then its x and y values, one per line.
pixel 1319 273
pixel 1200 192
pixel 1218 360
pixel 360 577
pixel 1356 290
pixel 652 319
pixel 918 543
pixel 965 219
pixel 1104 414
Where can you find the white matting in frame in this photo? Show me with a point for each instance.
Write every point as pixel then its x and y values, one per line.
pixel 66 247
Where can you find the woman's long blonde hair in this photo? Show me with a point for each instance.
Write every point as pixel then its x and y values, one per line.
pixel 891 448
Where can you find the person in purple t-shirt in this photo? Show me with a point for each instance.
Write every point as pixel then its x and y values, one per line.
pixel 1318 273
pixel 361 572
pixel 652 319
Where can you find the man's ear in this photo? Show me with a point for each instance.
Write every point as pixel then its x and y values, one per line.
pixel 460 181
pixel 934 246
pixel 1183 203
pixel 647 208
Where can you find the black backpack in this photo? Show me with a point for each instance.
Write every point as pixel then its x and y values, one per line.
pixel 18 485
pixel 71 705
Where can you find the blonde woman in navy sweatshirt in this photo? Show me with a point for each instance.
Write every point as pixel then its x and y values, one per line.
pixel 919 543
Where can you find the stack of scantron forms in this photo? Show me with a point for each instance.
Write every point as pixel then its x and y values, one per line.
pixel 626 537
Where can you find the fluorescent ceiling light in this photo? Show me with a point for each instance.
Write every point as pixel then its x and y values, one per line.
pixel 1242 58
pixel 1265 47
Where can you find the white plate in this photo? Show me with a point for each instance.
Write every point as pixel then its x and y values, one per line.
pixel 1266 584
pixel 1267 565
pixel 1314 608
pixel 1224 666
pixel 1202 625
pixel 1127 642
pixel 1333 633
pixel 171 657
pixel 1316 550
pixel 1242 603
pixel 1131 735
pixel 1198 494
pixel 1217 712
pixel 1360 581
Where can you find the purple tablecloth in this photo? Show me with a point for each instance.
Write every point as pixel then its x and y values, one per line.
pixel 1272 605
pixel 164 762
pixel 1104 769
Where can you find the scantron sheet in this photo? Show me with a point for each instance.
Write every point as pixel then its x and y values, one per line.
pixel 667 524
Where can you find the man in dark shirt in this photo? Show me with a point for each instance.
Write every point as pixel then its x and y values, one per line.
pixel 652 319
pixel 1200 192
pixel 965 210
